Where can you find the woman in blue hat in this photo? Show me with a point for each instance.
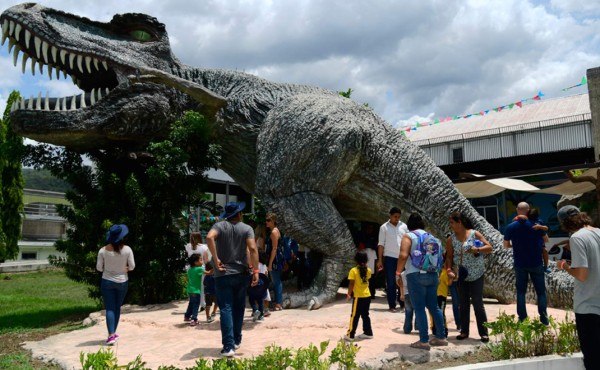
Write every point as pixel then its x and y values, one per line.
pixel 115 259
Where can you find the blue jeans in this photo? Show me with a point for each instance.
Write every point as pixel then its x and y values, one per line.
pixel 408 315
pixel 389 266
pixel 193 306
pixel 522 275
pixel 455 303
pixel 423 294
pixel 113 295
pixel 257 305
pixel 231 298
pixel 277 287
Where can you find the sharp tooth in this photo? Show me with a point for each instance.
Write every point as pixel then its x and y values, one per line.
pixel 57 106
pixel 64 103
pixel 4 31
pixel 73 103
pixel 71 59
pixel 33 61
pixel 11 28
pixel 30 103
pixel 64 74
pixel 46 102
pixel 99 94
pixel 24 61
pixel 83 101
pixel 53 52
pixel 107 91
pixel 80 63
pixel 63 54
pixel 38 103
pixel 45 51
pixel 17 31
pixel 49 71
pixel 105 65
pixel 27 38
pixel 41 67
pixel 88 64
pixel 92 97
pixel 57 73
pixel 96 64
pixel 11 43
pixel 16 54
pixel 38 43
pixel 22 104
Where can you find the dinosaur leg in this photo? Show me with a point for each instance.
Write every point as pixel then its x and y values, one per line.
pixel 314 222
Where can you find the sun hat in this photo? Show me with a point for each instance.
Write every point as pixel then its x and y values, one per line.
pixel 566 212
pixel 232 209
pixel 116 233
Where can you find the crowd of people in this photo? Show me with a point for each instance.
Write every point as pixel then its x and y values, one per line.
pixel 420 272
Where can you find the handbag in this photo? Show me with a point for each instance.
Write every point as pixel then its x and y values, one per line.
pixel 462 272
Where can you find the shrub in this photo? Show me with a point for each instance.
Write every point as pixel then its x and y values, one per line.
pixel 529 338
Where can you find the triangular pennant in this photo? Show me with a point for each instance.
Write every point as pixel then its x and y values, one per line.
pixel 436 121
pixel 510 106
pixel 537 97
pixel 519 104
pixel 540 94
pixel 584 81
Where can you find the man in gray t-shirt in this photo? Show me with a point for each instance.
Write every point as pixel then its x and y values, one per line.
pixel 228 242
pixel 585 268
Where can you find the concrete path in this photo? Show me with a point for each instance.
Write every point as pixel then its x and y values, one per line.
pixel 159 334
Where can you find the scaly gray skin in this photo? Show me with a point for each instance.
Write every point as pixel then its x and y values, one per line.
pixel 316 159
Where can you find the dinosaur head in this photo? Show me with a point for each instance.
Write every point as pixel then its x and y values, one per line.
pixel 98 57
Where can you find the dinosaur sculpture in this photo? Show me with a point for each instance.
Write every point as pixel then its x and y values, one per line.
pixel 313 157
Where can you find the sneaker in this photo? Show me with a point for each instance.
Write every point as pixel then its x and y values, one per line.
pixel 261 318
pixel 437 342
pixel 213 315
pixel 394 309
pixel 186 319
pixel 227 352
pixel 210 319
pixel 255 315
pixel 420 345
pixel 193 322
pixel 237 346
pixel 365 336
pixel 547 270
pixel 348 339
pixel 112 340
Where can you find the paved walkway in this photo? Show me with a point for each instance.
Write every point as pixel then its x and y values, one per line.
pixel 160 336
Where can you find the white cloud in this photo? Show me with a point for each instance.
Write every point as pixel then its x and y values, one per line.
pixel 407 60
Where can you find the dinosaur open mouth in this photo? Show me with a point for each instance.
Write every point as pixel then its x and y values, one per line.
pixel 91 73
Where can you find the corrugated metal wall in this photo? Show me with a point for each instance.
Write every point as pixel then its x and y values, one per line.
pixel 555 135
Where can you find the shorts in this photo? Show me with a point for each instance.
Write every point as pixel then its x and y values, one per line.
pixel 210 299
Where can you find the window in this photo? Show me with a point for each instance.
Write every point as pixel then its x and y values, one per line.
pixel 490 213
pixel 457 155
pixel 29 255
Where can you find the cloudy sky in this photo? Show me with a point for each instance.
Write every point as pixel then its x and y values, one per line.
pixel 409 60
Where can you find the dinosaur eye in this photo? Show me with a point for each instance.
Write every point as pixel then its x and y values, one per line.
pixel 140 35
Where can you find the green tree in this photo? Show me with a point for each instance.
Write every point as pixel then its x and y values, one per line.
pixel 11 180
pixel 146 190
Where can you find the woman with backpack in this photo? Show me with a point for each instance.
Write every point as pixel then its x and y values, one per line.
pixel 274 250
pixel 421 255
pixel 464 250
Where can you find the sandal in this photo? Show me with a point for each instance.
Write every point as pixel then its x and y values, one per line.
pixel 463 336
pixel 278 308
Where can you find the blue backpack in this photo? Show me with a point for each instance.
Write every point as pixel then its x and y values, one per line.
pixel 427 256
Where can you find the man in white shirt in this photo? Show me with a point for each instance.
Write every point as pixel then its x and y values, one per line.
pixel 388 250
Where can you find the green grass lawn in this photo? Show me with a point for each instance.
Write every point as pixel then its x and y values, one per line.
pixel 39 299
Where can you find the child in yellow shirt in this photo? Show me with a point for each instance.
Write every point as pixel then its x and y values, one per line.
pixel 358 286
